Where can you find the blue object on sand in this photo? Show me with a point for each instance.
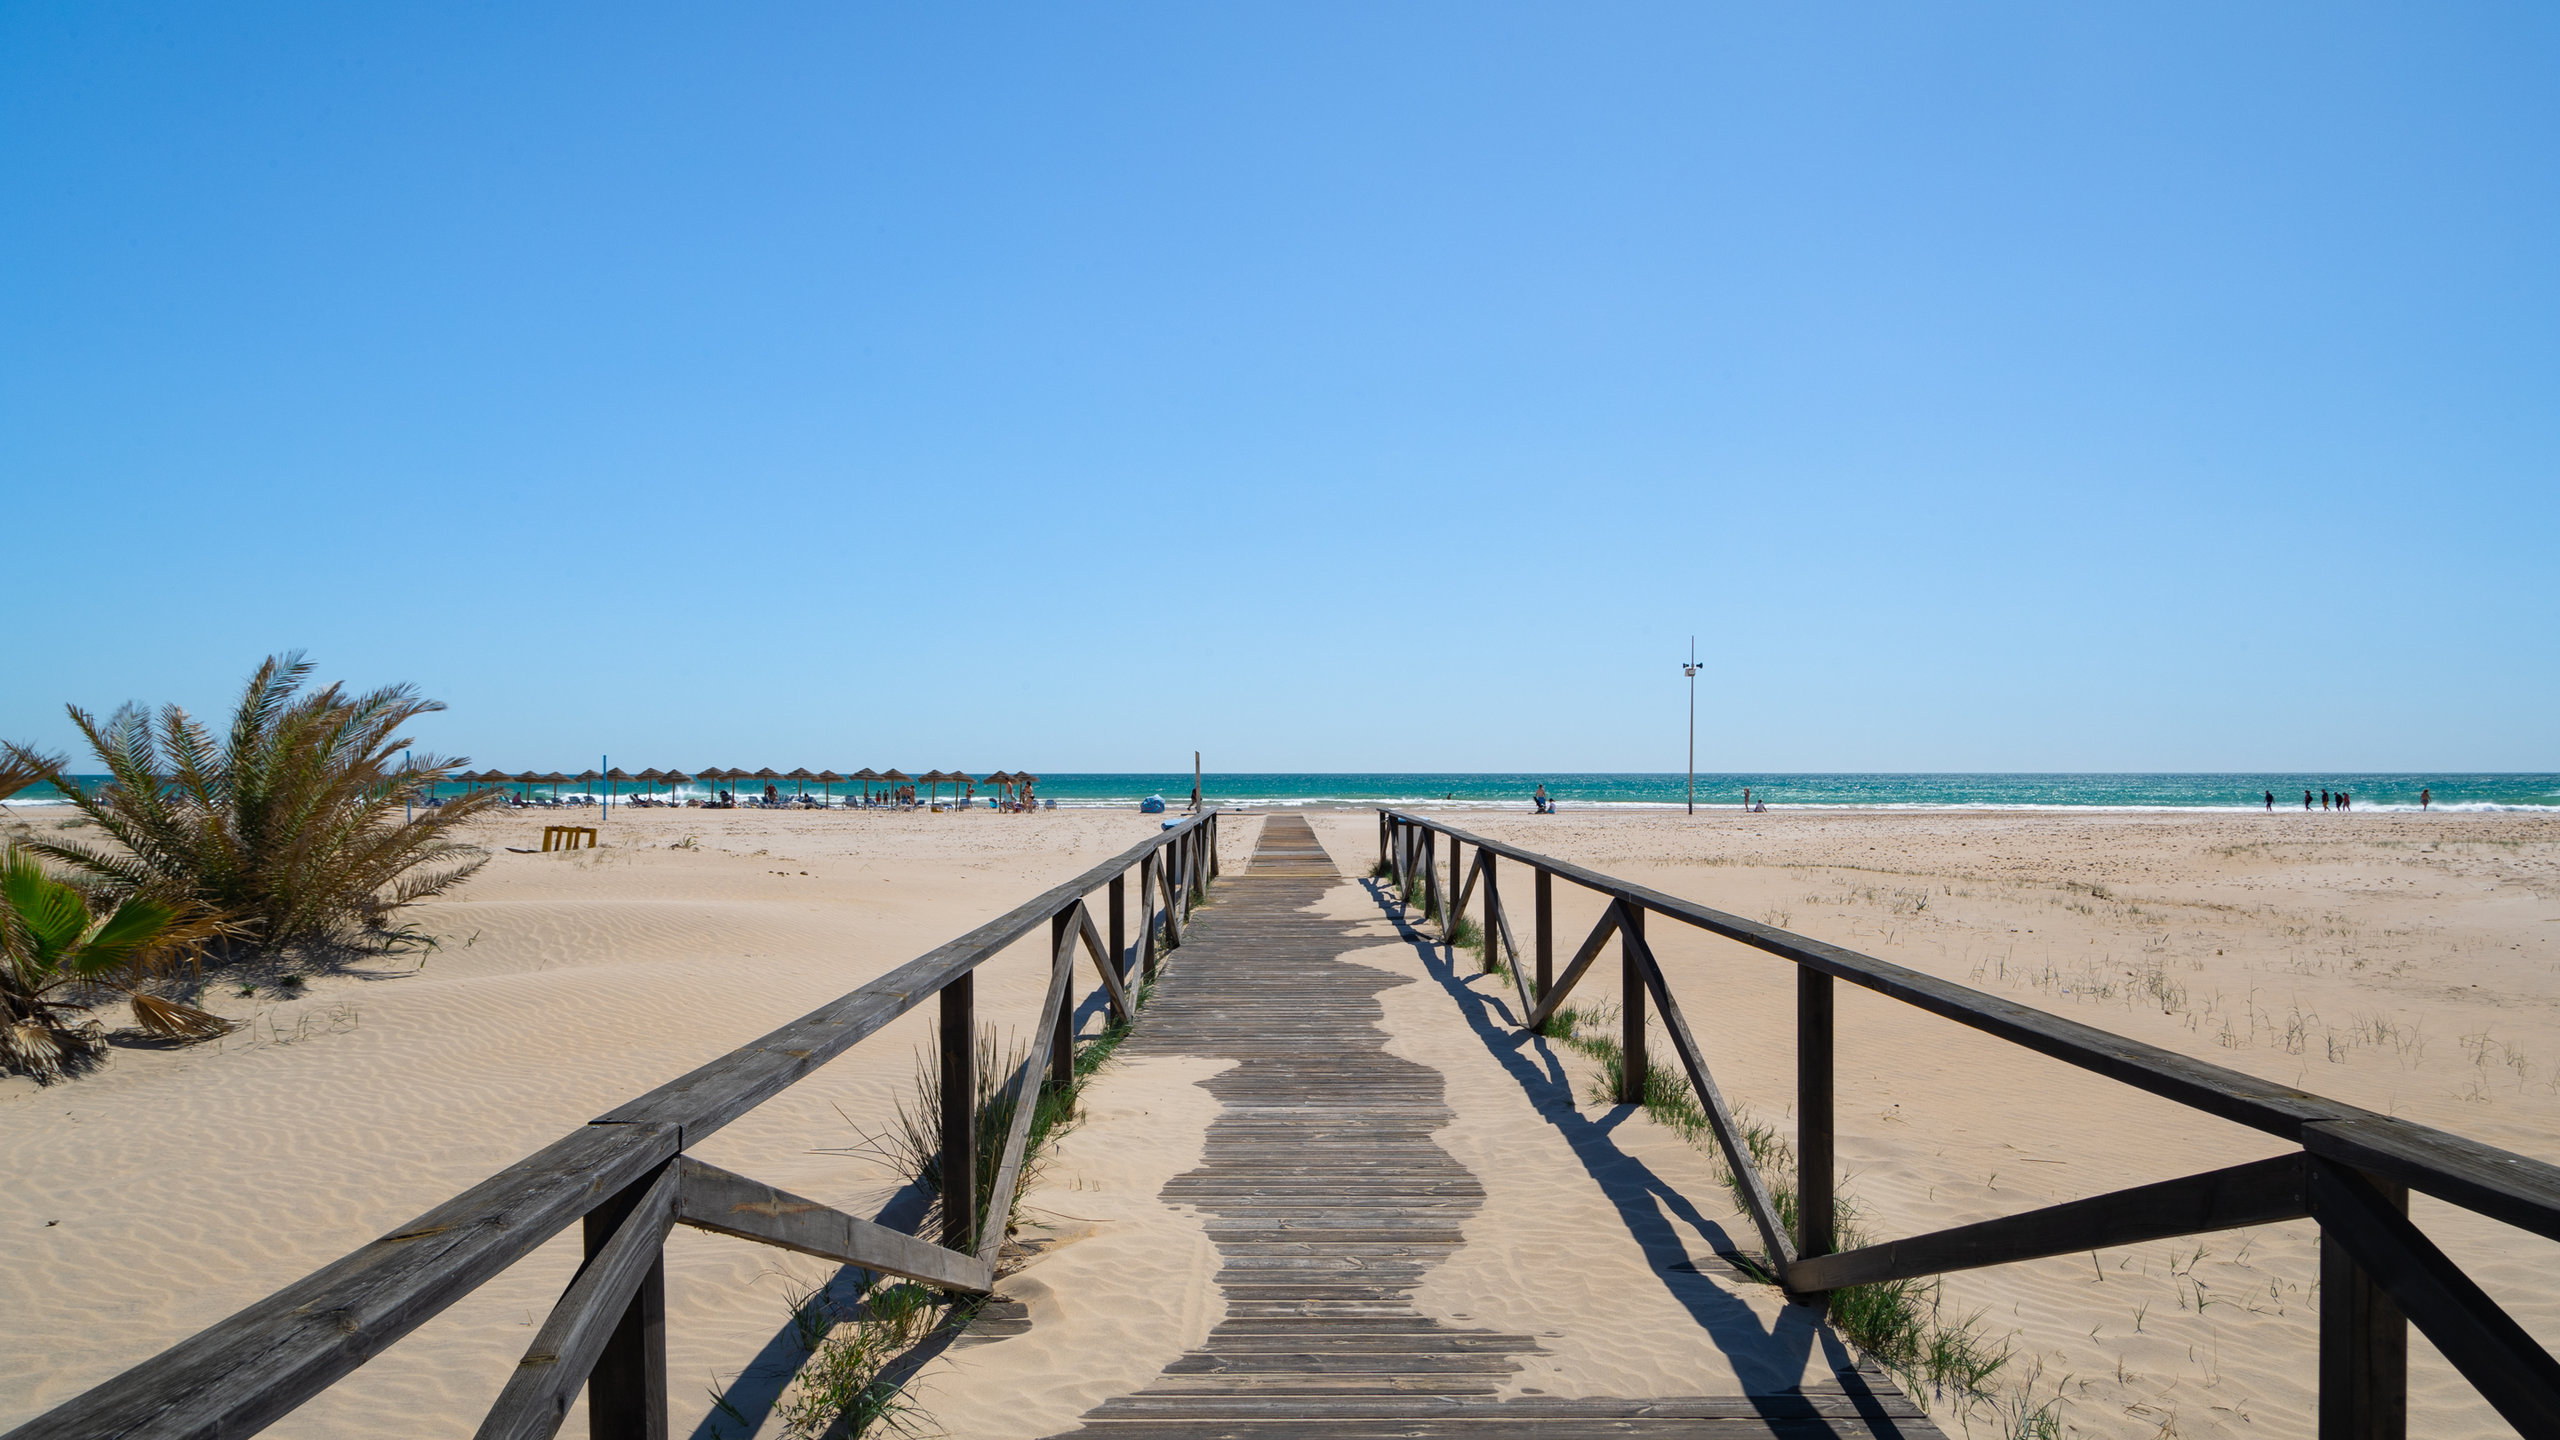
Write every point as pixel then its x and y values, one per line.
pixel 1152 805
pixel 1169 824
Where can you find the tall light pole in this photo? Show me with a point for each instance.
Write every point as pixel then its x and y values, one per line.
pixel 1691 670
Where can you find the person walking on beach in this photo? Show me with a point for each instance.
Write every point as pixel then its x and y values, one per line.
pixel 2324 799
pixel 2306 799
pixel 2271 802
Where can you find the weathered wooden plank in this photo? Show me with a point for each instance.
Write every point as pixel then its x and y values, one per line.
pixel 2262 1192
pixel 731 1204
pixel 239 1376
pixel 555 1366
pixel 2500 1184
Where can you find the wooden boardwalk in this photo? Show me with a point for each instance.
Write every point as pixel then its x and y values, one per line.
pixel 1329 1201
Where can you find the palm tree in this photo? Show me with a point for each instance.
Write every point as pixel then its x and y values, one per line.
pixel 289 830
pixel 52 949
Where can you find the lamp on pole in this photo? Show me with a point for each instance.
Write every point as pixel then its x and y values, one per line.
pixel 1691 670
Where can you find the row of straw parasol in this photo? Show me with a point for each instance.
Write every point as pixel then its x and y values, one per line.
pixel 827 780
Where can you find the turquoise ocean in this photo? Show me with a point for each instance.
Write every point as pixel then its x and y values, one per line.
pixel 1641 791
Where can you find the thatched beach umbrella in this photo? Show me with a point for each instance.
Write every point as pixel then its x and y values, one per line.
pixel 896 778
pixel 528 779
pixel 800 777
pixel 555 780
pixel 588 777
pixel 672 779
pixel 652 777
pixel 826 779
pixel 866 775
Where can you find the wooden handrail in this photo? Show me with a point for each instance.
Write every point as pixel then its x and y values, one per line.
pixel 2350 1174
pixel 241 1374
pixel 2515 1188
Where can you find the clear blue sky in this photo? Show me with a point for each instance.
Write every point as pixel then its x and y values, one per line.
pixel 1324 387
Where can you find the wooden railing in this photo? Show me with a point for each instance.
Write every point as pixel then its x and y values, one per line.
pixel 2352 1173
pixel 627 1177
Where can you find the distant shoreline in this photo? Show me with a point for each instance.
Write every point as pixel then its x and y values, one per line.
pixel 1644 792
pixel 2131 793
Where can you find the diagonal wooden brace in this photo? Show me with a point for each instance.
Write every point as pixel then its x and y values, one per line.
pixel 728 1203
pixel 2262 1192
pixel 1026 1098
pixel 1774 1239
pixel 1121 1010
pixel 1610 920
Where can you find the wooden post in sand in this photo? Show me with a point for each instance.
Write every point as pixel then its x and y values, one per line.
pixel 1119 935
pixel 1062 1046
pixel 1147 916
pixel 1546 926
pixel 627 1389
pixel 959 1115
pixel 1492 925
pixel 1631 985
pixel 1815 1227
pixel 2364 1340
pixel 1457 890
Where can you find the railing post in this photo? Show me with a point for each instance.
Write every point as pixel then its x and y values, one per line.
pixel 1382 839
pixel 1546 926
pixel 1147 916
pixel 1631 983
pixel 960 1114
pixel 627 1389
pixel 1119 932
pixel 1492 926
pixel 1457 883
pixel 1213 845
pixel 1816 1223
pixel 2364 1343
pixel 1062 1048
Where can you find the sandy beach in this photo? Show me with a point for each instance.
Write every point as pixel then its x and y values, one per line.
pixel 2405 963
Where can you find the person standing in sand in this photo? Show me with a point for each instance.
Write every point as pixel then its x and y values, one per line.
pixel 2306 799
pixel 2271 802
pixel 2424 797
